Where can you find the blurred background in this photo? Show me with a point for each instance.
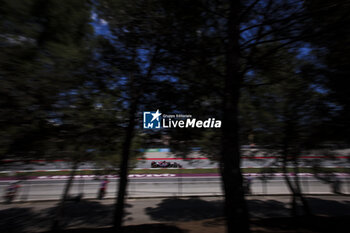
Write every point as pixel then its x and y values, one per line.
pixel 76 77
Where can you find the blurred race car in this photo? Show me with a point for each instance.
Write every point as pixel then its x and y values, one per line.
pixel 165 164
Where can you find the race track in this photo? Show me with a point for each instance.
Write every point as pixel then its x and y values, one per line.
pixel 167 185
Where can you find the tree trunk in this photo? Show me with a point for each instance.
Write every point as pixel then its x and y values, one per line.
pixel 60 211
pixel 123 173
pixel 305 204
pixel 136 91
pixel 235 205
pixel 265 187
pixel 294 187
pixel 288 133
pixel 289 184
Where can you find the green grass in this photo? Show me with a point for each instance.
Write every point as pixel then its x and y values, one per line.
pixel 183 171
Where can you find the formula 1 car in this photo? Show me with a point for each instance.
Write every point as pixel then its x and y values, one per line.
pixel 165 164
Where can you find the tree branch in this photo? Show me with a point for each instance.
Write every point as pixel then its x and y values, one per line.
pixel 247 10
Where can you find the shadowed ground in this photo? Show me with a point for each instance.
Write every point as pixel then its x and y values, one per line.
pixel 268 214
pixel 143 228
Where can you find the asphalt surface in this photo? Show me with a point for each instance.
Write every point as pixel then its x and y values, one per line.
pixel 169 186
